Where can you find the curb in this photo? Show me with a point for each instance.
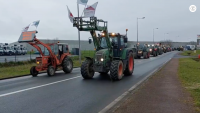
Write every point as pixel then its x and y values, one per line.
pixel 26 75
pixel 112 106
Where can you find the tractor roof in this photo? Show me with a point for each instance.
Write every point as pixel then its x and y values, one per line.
pixel 63 44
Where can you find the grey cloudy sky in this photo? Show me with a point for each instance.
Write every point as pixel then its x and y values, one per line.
pixel 170 16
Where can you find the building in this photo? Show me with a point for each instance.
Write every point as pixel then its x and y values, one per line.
pixel 198 41
pixel 86 46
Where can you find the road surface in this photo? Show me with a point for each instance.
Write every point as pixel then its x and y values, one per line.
pixel 70 93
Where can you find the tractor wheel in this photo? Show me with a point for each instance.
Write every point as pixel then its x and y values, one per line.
pixel 116 70
pixel 67 65
pixel 87 70
pixel 148 55
pixel 130 64
pixel 145 55
pixel 51 71
pixel 33 71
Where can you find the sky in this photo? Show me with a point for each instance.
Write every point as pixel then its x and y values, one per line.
pixel 169 16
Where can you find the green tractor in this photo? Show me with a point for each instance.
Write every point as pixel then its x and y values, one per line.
pixel 142 51
pixel 111 51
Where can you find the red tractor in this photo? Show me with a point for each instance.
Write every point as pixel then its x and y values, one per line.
pixel 55 55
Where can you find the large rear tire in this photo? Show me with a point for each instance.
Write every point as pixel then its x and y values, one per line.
pixel 87 70
pixel 116 70
pixel 145 55
pixel 130 65
pixel 154 53
pixel 51 71
pixel 67 65
pixel 33 71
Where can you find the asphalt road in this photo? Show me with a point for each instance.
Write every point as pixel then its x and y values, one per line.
pixel 70 93
pixel 18 57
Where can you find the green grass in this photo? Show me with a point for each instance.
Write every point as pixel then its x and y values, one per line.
pixel 6 72
pixel 190 53
pixel 189 73
pixel 11 69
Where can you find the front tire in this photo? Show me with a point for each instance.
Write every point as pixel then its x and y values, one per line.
pixel 116 70
pixel 67 65
pixel 87 70
pixel 145 55
pixel 51 71
pixel 33 72
pixel 130 65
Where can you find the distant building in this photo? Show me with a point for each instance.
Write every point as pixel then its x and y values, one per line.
pixel 198 41
pixel 86 46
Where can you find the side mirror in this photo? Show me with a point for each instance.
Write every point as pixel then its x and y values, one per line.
pixel 125 40
pixel 90 41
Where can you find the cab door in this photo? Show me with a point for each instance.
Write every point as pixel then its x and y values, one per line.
pixel 122 45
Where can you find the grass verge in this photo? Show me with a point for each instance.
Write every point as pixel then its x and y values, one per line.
pixel 189 73
pixel 190 53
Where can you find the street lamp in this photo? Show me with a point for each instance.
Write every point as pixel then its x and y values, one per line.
pixel 153 34
pixel 137 26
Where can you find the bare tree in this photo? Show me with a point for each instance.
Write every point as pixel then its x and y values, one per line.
pixel 47 41
pixel 55 40
pixel 166 42
pixel 193 43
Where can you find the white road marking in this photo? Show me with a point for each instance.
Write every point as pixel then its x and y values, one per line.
pixel 6 94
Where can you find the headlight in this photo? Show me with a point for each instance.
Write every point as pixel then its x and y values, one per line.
pixel 38 62
pixel 101 59
pixel 150 49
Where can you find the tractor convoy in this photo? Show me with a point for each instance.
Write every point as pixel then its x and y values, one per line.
pixel 112 56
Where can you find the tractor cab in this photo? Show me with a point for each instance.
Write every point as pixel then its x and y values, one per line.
pixel 62 48
pixel 118 42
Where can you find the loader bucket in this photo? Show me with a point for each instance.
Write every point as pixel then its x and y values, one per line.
pixel 27 36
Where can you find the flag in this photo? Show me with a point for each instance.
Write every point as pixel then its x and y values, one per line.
pixel 35 23
pixel 70 15
pixel 83 2
pixel 89 11
pixel 25 28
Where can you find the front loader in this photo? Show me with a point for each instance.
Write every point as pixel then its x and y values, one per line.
pixel 55 55
pixel 111 52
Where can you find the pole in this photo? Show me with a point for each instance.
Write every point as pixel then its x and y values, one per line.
pixel 153 35
pixel 79 37
pixel 137 30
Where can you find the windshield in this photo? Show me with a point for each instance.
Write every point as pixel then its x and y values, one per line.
pixel 140 47
pixel 103 43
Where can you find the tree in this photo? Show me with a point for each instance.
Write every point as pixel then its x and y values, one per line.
pixel 55 40
pixel 193 43
pixel 166 42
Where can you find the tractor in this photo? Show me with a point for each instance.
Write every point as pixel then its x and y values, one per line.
pixel 153 50
pixel 55 55
pixel 142 51
pixel 111 51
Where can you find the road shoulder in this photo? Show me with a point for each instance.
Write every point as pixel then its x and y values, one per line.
pixel 162 93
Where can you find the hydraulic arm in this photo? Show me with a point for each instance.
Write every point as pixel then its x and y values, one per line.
pixel 93 25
